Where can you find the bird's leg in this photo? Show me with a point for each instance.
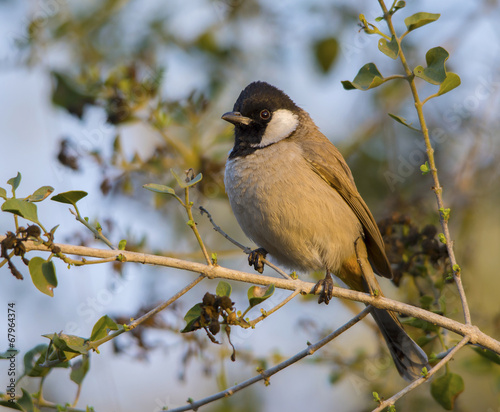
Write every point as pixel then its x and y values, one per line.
pixel 255 258
pixel 327 288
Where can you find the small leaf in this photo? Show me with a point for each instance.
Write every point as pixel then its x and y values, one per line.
pixel 446 388
pixel 21 208
pixel 79 370
pixel 420 19
pixel 399 5
pixel 195 180
pixel 368 77
pixel 223 289
pixel 258 294
pixel 403 121
pixel 3 193
pixel 102 328
pixel 40 194
pixel 442 238
pixel 451 81
pixel 70 197
pixel 159 188
pixel 43 275
pixel 425 169
pixel 389 48
pixel 68 345
pixel 191 317
pixel 326 51
pixel 26 401
pixel 122 244
pixel 485 353
pixel 14 181
pixel 435 72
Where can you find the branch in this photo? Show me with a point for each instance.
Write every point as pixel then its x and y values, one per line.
pixel 388 402
pixel 476 336
pixel 438 190
pixel 265 375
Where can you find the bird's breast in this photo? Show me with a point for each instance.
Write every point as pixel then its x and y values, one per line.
pixel 289 210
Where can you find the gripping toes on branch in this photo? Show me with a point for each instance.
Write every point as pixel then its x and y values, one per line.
pixel 327 289
pixel 256 257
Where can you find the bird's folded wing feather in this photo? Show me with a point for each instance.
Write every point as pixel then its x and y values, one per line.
pixel 328 163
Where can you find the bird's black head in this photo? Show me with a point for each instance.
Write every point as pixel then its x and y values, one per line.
pixel 262 115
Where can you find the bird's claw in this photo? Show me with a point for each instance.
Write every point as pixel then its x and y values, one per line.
pixel 326 285
pixel 255 258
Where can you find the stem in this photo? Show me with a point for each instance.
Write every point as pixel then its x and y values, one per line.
pixel 388 402
pixel 279 305
pixel 189 206
pixel 96 233
pixel 438 190
pixel 219 272
pixel 265 375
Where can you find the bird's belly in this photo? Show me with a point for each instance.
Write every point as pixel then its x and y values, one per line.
pixel 286 208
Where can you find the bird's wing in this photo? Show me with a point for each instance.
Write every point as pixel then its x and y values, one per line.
pixel 328 163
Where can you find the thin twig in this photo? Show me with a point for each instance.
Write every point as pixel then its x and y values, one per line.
pixel 388 402
pixel 219 272
pixel 278 306
pixel 438 190
pixel 96 233
pixel 265 375
pixel 245 249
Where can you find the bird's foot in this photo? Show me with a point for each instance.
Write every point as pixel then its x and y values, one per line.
pixel 326 285
pixel 255 259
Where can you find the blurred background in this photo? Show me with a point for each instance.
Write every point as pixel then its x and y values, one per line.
pixel 105 96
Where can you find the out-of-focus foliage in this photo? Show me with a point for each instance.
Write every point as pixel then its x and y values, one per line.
pixel 121 58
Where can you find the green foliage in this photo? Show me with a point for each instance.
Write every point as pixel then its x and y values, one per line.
pixel 446 388
pixel 14 182
pixel 71 197
pixel 43 275
pixel 40 194
pixel 79 369
pixel 326 51
pixel 420 19
pixel 223 289
pixel 258 294
pixel 21 208
pixel 368 77
pixel 389 48
pixel 102 328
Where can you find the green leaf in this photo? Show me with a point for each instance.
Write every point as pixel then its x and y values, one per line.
pixel 9 353
pixel 194 180
pixel 192 317
pixel 403 121
pixel 21 208
pixel 180 181
pixel 389 48
pixel 435 72
pixel 70 197
pixel 14 181
pixel 420 19
pixel 3 193
pixel 40 194
pixel 122 244
pixel 33 359
pixel 102 328
pixel 223 289
pixel 258 294
pixel 26 402
pixel 451 81
pixel 12 405
pixel 399 5
pixel 368 77
pixel 159 188
pixel 425 168
pixel 79 369
pixel 43 275
pixel 68 345
pixel 485 353
pixel 446 388
pixel 326 51
pixel 70 95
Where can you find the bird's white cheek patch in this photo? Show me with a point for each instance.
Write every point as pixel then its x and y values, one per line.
pixel 282 125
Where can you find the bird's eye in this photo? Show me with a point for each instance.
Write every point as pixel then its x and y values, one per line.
pixel 265 114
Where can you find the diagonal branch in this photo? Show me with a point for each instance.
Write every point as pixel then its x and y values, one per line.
pixel 265 375
pixel 214 271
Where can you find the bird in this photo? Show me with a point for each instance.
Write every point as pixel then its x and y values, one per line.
pixel 294 196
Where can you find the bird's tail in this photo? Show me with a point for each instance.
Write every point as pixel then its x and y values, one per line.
pixel 408 357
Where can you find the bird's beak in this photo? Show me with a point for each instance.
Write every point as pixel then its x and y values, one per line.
pixel 236 118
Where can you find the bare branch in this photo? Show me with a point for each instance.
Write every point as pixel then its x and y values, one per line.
pixel 265 375
pixel 388 402
pixel 476 335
